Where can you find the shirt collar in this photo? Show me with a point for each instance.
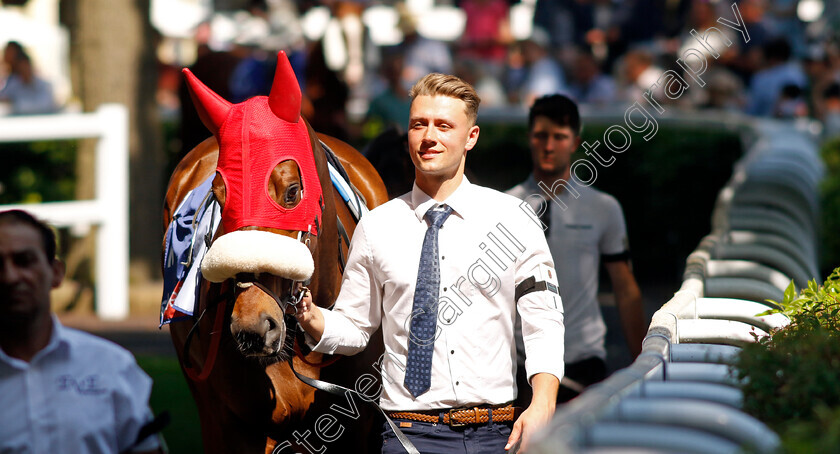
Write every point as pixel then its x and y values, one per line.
pixel 532 186
pixel 458 200
pixel 57 339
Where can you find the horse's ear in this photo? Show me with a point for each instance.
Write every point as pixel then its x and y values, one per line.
pixel 284 99
pixel 212 108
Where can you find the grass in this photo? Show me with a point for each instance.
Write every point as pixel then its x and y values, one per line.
pixel 170 393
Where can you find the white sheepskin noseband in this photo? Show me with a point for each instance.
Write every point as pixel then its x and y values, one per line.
pixel 254 251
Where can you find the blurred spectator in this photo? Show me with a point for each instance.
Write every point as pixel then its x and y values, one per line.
pixel 791 103
pixel 638 75
pixel 422 55
pixel 702 18
pixel 63 390
pixel 255 70
pixel 722 87
pixel 214 69
pixel 778 71
pixel 543 74
pixel 328 95
pixel 285 31
pixel 344 41
pixel 487 85
pixel 782 14
pixel 588 85
pixel 11 53
pixel 388 153
pixel 760 27
pixel 643 22
pixel 568 21
pixel 831 105
pixel 515 72
pixel 252 75
pixel 390 107
pixel 817 67
pixel 27 93
pixel 761 31
pixel 723 91
pixel 486 34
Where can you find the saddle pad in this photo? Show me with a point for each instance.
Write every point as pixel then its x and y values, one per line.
pixel 187 239
pixel 341 182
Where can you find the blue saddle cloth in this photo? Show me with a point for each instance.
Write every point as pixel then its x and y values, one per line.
pixel 187 237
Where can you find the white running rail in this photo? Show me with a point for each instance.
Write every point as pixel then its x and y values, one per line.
pixel 109 208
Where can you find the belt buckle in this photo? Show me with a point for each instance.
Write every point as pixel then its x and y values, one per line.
pixel 452 422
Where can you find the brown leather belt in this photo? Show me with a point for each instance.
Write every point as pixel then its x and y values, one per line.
pixel 458 417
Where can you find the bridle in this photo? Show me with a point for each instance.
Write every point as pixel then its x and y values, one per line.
pixel 287 305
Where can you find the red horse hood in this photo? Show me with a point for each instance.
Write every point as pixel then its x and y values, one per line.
pixel 254 136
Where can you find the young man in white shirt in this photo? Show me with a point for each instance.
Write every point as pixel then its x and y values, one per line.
pixel 61 390
pixel 584 227
pixel 489 260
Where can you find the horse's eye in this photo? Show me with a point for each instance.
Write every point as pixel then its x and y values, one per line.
pixel 292 194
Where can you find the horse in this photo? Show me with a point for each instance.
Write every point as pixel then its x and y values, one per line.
pixel 282 223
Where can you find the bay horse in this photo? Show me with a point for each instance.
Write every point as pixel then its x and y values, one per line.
pixel 281 224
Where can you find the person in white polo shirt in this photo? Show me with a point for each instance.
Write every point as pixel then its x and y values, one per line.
pixel 584 227
pixel 61 390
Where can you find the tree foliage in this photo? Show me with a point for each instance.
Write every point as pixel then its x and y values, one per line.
pixel 791 380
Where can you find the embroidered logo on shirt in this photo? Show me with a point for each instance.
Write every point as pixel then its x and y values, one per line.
pixel 579 226
pixel 89 385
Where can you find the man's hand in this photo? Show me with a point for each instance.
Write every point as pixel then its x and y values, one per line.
pixel 539 413
pixel 309 316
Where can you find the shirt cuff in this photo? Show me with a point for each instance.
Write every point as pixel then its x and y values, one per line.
pixel 536 367
pixel 330 340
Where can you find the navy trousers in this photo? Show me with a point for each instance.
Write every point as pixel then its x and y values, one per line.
pixel 439 438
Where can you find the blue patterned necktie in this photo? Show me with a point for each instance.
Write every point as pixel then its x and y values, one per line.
pixel 421 334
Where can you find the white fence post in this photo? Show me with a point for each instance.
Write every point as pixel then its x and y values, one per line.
pixel 108 210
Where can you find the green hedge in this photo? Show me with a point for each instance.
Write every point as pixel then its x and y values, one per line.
pixel 830 206
pixel 667 186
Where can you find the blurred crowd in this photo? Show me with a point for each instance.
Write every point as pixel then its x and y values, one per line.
pixel 606 53
pixel 600 52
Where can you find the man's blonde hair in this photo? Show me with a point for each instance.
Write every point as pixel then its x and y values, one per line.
pixel 436 84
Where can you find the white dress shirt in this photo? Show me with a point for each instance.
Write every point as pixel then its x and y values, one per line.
pixel 80 394
pixel 486 246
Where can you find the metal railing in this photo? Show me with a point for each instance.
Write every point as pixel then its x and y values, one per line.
pixel 108 210
pixel 681 394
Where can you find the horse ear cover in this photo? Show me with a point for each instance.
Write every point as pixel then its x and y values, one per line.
pixel 212 108
pixel 254 136
pixel 284 99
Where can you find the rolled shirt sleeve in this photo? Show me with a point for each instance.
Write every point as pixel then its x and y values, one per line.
pixel 541 312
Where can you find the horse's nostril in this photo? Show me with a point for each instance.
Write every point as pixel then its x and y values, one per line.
pixel 271 324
